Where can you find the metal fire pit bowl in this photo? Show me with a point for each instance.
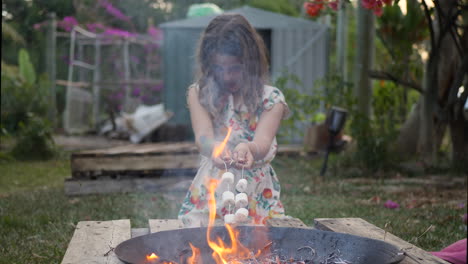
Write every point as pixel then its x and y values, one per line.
pixel 286 242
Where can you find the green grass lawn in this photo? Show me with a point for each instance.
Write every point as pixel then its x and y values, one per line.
pixel 37 219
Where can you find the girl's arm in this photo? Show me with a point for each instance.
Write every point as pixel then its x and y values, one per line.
pixel 201 123
pixel 203 130
pixel 268 124
pixel 267 127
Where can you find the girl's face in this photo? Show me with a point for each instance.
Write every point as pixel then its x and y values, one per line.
pixel 227 71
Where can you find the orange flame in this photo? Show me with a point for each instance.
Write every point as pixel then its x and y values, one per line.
pixel 152 257
pixel 194 259
pixel 219 149
pixel 222 252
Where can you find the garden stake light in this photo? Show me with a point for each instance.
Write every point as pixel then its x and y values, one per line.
pixel 334 123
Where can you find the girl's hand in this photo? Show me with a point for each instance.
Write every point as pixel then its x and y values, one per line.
pixel 243 156
pixel 224 159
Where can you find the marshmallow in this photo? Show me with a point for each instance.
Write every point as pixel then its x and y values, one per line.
pixel 228 177
pixel 241 200
pixel 229 218
pixel 228 198
pixel 241 215
pixel 241 185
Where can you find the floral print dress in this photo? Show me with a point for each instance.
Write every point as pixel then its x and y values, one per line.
pixel 263 189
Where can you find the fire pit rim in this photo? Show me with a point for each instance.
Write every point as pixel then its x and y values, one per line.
pixel 397 255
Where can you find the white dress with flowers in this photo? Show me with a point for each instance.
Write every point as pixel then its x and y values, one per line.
pixel 263 186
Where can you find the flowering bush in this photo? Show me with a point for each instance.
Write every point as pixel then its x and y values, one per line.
pixel 315 7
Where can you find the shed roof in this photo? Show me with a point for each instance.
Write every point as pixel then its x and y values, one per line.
pixel 258 18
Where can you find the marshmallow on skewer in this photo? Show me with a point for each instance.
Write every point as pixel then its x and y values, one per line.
pixel 228 198
pixel 228 177
pixel 241 215
pixel 229 218
pixel 241 185
pixel 241 200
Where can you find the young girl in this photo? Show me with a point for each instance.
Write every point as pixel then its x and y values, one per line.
pixel 230 92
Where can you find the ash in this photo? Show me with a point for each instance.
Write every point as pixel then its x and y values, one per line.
pixel 332 258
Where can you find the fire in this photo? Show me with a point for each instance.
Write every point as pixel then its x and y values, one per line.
pixel 194 259
pixel 222 252
pixel 219 149
pixel 233 252
pixel 152 257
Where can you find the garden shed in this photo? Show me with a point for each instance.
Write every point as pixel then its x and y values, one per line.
pixel 297 45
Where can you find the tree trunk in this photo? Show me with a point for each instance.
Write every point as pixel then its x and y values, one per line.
pixel 364 59
pixel 440 74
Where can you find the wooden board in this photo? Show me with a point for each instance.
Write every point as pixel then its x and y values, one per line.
pixel 148 157
pixel 166 184
pixel 136 163
pixel 360 227
pixel 286 222
pixel 94 241
pixel 157 225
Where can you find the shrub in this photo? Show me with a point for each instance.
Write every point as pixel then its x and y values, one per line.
pixel 34 140
pixel 22 93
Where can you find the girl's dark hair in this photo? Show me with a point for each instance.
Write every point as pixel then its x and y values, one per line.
pixel 231 34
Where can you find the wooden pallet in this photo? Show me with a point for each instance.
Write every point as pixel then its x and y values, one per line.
pixel 141 167
pixel 146 159
pixel 94 241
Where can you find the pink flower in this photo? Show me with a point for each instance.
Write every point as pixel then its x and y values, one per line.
pixel 67 23
pixel 391 204
pixel 114 11
pixel 136 92
pixel 368 4
pixel 333 5
pixel 378 11
pixel 155 32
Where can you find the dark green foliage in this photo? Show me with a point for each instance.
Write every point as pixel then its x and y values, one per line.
pixel 278 6
pixel 306 107
pixel 34 141
pixel 303 106
pixel 23 110
pixel 26 68
pixel 21 93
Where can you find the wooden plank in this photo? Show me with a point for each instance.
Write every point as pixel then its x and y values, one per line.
pixel 360 227
pixel 157 225
pixel 119 163
pixel 94 241
pixel 167 184
pixel 286 222
pixel 169 148
pixel 136 232
pixel 154 148
pixel 160 156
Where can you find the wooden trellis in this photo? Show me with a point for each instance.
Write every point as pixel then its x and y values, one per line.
pixel 85 82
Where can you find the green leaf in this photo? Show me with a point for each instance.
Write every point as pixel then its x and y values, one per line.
pixel 26 68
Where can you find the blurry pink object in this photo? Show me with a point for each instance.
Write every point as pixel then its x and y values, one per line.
pixel 67 23
pixel 455 253
pixel 114 11
pixel 391 204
